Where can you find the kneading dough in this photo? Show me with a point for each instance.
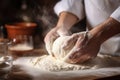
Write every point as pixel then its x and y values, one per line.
pixel 57 49
pixel 56 63
pixel 49 63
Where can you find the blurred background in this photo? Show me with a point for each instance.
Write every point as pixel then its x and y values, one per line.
pixel 40 12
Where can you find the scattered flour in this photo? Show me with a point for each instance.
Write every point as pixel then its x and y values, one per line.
pixel 49 63
pixel 56 63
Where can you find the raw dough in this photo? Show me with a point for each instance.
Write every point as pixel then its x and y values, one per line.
pixel 57 49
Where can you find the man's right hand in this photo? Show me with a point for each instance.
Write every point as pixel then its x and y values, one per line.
pixel 52 35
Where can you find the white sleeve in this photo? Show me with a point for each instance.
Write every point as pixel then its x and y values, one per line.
pixel 73 6
pixel 116 14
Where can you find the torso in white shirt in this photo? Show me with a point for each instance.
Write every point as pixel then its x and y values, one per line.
pixel 96 11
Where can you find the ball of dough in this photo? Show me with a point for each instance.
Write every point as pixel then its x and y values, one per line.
pixel 57 49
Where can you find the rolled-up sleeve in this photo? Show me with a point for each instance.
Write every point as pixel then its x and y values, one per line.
pixel 116 14
pixel 73 6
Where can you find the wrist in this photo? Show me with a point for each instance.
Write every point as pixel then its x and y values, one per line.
pixel 105 30
pixel 63 31
pixel 94 38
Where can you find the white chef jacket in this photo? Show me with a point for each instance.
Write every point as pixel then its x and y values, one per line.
pixel 95 11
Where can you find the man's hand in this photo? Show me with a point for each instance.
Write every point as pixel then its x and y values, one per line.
pixel 52 36
pixel 85 48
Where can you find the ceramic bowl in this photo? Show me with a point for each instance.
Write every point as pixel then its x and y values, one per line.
pixel 20 28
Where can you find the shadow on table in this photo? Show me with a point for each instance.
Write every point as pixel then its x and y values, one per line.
pixel 18 74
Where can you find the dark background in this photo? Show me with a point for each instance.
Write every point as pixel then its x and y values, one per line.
pixel 38 11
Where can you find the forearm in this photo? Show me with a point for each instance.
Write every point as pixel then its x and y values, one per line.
pixel 106 30
pixel 67 20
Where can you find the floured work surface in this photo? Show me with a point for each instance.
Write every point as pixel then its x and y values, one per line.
pixel 49 63
pixel 52 69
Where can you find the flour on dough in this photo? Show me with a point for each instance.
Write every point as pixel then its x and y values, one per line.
pixel 57 49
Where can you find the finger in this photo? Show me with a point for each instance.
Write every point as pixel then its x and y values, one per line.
pixel 71 55
pixel 83 58
pixel 72 60
pixel 82 41
pixel 48 48
pixel 79 59
pixel 49 45
pixel 75 52
pixel 70 41
pixel 75 56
